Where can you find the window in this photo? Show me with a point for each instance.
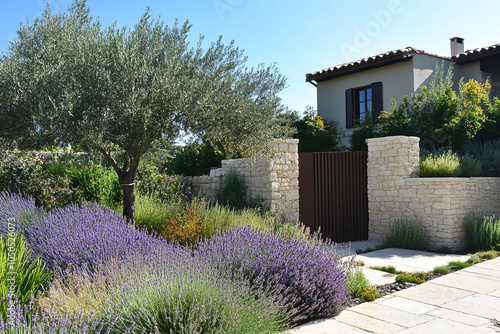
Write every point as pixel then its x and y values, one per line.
pixel 362 104
pixel 361 101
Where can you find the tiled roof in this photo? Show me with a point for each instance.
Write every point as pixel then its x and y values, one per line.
pixel 380 58
pixel 471 55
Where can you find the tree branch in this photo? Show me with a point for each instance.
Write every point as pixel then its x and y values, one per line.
pixel 111 160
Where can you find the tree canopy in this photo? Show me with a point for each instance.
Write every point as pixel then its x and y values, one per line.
pixel 68 80
pixel 439 115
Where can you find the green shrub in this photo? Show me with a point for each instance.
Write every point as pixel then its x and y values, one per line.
pixel 314 134
pixel 443 270
pixel 493 254
pixel 483 233
pixel 444 163
pixel 387 269
pixel 152 213
pixel 56 184
pixel 29 277
pixel 470 166
pixel 196 159
pixel 444 250
pixel 406 234
pixel 98 183
pixel 160 153
pixel 488 153
pixel 491 128
pixel 367 129
pixel 453 265
pixel 459 265
pixel 359 286
pixel 150 182
pixel 187 228
pixel 417 278
pixel 232 190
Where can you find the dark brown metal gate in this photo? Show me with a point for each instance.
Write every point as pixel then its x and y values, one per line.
pixel 333 194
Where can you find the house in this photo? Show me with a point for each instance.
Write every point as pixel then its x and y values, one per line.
pixel 347 91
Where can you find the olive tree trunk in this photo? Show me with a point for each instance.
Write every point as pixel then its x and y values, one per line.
pixel 126 177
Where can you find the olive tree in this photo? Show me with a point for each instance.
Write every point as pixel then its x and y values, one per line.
pixel 68 80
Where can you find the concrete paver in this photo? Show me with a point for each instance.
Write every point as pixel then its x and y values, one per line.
pixel 408 305
pixel 458 316
pixel 389 314
pixel 408 260
pixel 326 326
pixel 368 323
pixel 434 294
pixel 467 281
pixel 465 301
pixel 443 326
pixel 477 304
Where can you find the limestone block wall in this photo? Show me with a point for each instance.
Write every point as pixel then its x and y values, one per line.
pixel 396 192
pixel 274 181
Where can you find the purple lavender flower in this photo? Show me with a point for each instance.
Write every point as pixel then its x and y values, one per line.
pixel 16 209
pixel 307 276
pixel 87 235
pixel 31 319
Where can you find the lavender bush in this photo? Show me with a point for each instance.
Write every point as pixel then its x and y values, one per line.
pixel 171 293
pixel 30 319
pixel 307 276
pixel 86 235
pixel 16 209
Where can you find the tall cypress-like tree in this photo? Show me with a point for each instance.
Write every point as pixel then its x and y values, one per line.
pixel 67 80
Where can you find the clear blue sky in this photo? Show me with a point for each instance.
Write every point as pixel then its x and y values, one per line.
pixel 299 36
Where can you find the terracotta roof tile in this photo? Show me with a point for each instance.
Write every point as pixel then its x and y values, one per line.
pixel 386 55
pixel 476 52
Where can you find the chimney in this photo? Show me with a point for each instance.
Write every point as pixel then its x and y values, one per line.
pixel 457 46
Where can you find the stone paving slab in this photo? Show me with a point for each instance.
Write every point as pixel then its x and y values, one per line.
pixel 434 294
pixel 495 293
pixel 480 305
pixel 467 281
pixel 407 305
pixel 443 326
pixel 487 272
pixel 465 301
pixel 326 326
pixel 389 314
pixel 461 317
pixel 377 277
pixel 408 260
pixel 368 323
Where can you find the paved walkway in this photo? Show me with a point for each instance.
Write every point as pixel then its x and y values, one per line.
pixel 465 301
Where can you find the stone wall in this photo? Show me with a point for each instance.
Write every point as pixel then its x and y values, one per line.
pixel 274 181
pixel 396 192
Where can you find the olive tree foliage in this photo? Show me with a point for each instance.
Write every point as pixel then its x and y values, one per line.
pixel 67 80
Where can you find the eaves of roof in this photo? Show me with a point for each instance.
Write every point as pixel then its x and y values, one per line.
pixel 476 54
pixel 369 63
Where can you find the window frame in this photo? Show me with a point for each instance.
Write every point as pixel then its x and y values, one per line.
pixel 353 103
pixel 357 119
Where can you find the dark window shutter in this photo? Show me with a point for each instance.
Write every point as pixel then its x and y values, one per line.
pixel 349 108
pixel 377 101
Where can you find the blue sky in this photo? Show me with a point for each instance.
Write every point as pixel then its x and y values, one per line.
pixel 299 36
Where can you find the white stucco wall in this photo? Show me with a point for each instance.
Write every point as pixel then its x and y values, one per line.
pixel 424 66
pixel 397 81
pixel 468 71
